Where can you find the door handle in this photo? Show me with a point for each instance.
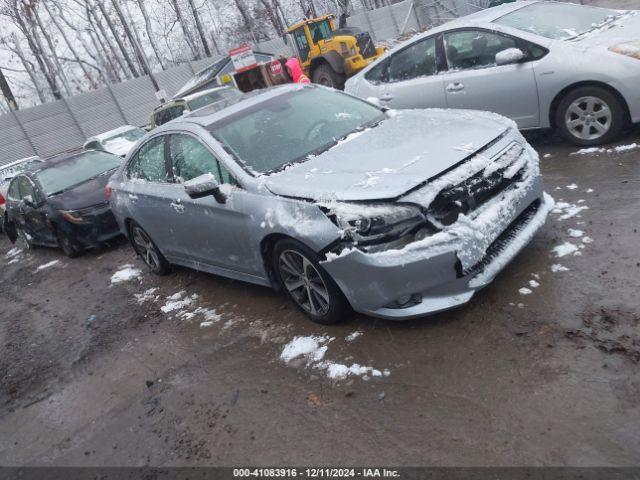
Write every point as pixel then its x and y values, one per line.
pixel 455 87
pixel 177 206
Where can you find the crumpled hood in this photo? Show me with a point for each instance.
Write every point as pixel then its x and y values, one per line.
pixel 84 195
pixel 383 162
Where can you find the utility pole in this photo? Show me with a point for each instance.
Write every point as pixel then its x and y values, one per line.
pixel 8 94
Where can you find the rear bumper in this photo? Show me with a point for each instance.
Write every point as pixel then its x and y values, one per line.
pixel 442 274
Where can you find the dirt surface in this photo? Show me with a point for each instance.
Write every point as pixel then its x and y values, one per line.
pixel 93 375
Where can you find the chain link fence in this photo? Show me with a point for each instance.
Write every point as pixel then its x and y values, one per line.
pixel 65 124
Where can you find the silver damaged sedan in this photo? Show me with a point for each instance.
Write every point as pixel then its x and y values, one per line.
pixel 337 202
pixel 543 64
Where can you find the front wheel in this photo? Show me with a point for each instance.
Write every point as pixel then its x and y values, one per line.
pixel 147 250
pixel 327 76
pixel 307 284
pixel 590 116
pixel 68 246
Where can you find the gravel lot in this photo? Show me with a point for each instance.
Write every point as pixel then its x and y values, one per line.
pixel 540 368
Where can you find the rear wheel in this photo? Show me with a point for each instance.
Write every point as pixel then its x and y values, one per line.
pixel 590 116
pixel 307 284
pixel 327 76
pixel 147 250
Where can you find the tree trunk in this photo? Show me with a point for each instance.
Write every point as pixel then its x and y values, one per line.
pixel 28 68
pixel 74 52
pixel 36 50
pixel 185 30
pixel 272 13
pixel 203 37
pixel 115 34
pixel 136 47
pixel 8 94
pixel 247 19
pixel 107 42
pixel 56 61
pixel 147 24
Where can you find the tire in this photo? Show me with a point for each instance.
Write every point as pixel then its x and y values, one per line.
pixel 307 284
pixel 68 246
pixel 589 116
pixel 327 76
pixel 147 250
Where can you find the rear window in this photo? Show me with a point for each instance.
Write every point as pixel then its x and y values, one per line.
pixel 68 173
pixel 168 114
pixel 557 20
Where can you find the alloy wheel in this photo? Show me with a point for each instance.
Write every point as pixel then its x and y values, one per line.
pixel 145 248
pixel 303 282
pixel 588 118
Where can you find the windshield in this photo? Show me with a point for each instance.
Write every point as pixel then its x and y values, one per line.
pixel 68 173
pixel 558 20
pixel 211 97
pixel 132 135
pixel 290 127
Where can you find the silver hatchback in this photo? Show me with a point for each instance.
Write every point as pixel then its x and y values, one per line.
pixel 543 64
pixel 339 203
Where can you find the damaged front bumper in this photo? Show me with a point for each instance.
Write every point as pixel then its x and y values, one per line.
pixel 443 271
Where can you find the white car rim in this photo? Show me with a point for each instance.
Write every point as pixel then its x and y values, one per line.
pixel 588 118
pixel 303 282
pixel 145 248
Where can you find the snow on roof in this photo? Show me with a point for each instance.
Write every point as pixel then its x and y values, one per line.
pixel 112 133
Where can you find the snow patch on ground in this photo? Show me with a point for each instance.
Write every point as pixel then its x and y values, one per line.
pixel 525 291
pixel 14 252
pixel 534 284
pixel 568 210
pixel 126 273
pixel 626 148
pixel 575 233
pixel 587 240
pixel 573 186
pixel 352 336
pixel 178 301
pixel 565 249
pixel 312 349
pixel 47 265
pixel 146 296
pixel 587 151
pixel 556 267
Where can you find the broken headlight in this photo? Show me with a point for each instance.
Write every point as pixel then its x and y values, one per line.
pixel 371 224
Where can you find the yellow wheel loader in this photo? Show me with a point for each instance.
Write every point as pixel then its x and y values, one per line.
pixel 329 56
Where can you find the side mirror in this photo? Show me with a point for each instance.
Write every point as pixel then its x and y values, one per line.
pixel 509 56
pixel 203 186
pixel 28 201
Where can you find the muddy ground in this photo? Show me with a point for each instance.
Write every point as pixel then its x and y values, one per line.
pixel 93 375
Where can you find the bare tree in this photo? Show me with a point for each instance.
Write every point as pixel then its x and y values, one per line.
pixel 185 29
pixel 7 93
pixel 107 46
pixel 147 24
pixel 242 8
pixel 74 52
pixel 28 67
pixel 54 55
pixel 203 37
pixel 115 34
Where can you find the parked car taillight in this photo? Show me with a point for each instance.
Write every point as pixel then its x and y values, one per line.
pixel 107 192
pixel 2 200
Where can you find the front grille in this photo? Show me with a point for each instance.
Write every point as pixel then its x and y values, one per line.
pixel 474 191
pixel 505 238
pixel 365 45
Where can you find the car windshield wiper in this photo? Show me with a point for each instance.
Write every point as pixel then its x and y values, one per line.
pixel 599 26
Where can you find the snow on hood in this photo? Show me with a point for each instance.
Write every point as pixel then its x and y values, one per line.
pixel 622 30
pixel 383 162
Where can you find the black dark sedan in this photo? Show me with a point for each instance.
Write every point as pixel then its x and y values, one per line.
pixel 62 202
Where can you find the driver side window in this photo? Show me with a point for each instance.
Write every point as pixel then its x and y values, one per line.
pixel 468 49
pixel 190 159
pixel 14 189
